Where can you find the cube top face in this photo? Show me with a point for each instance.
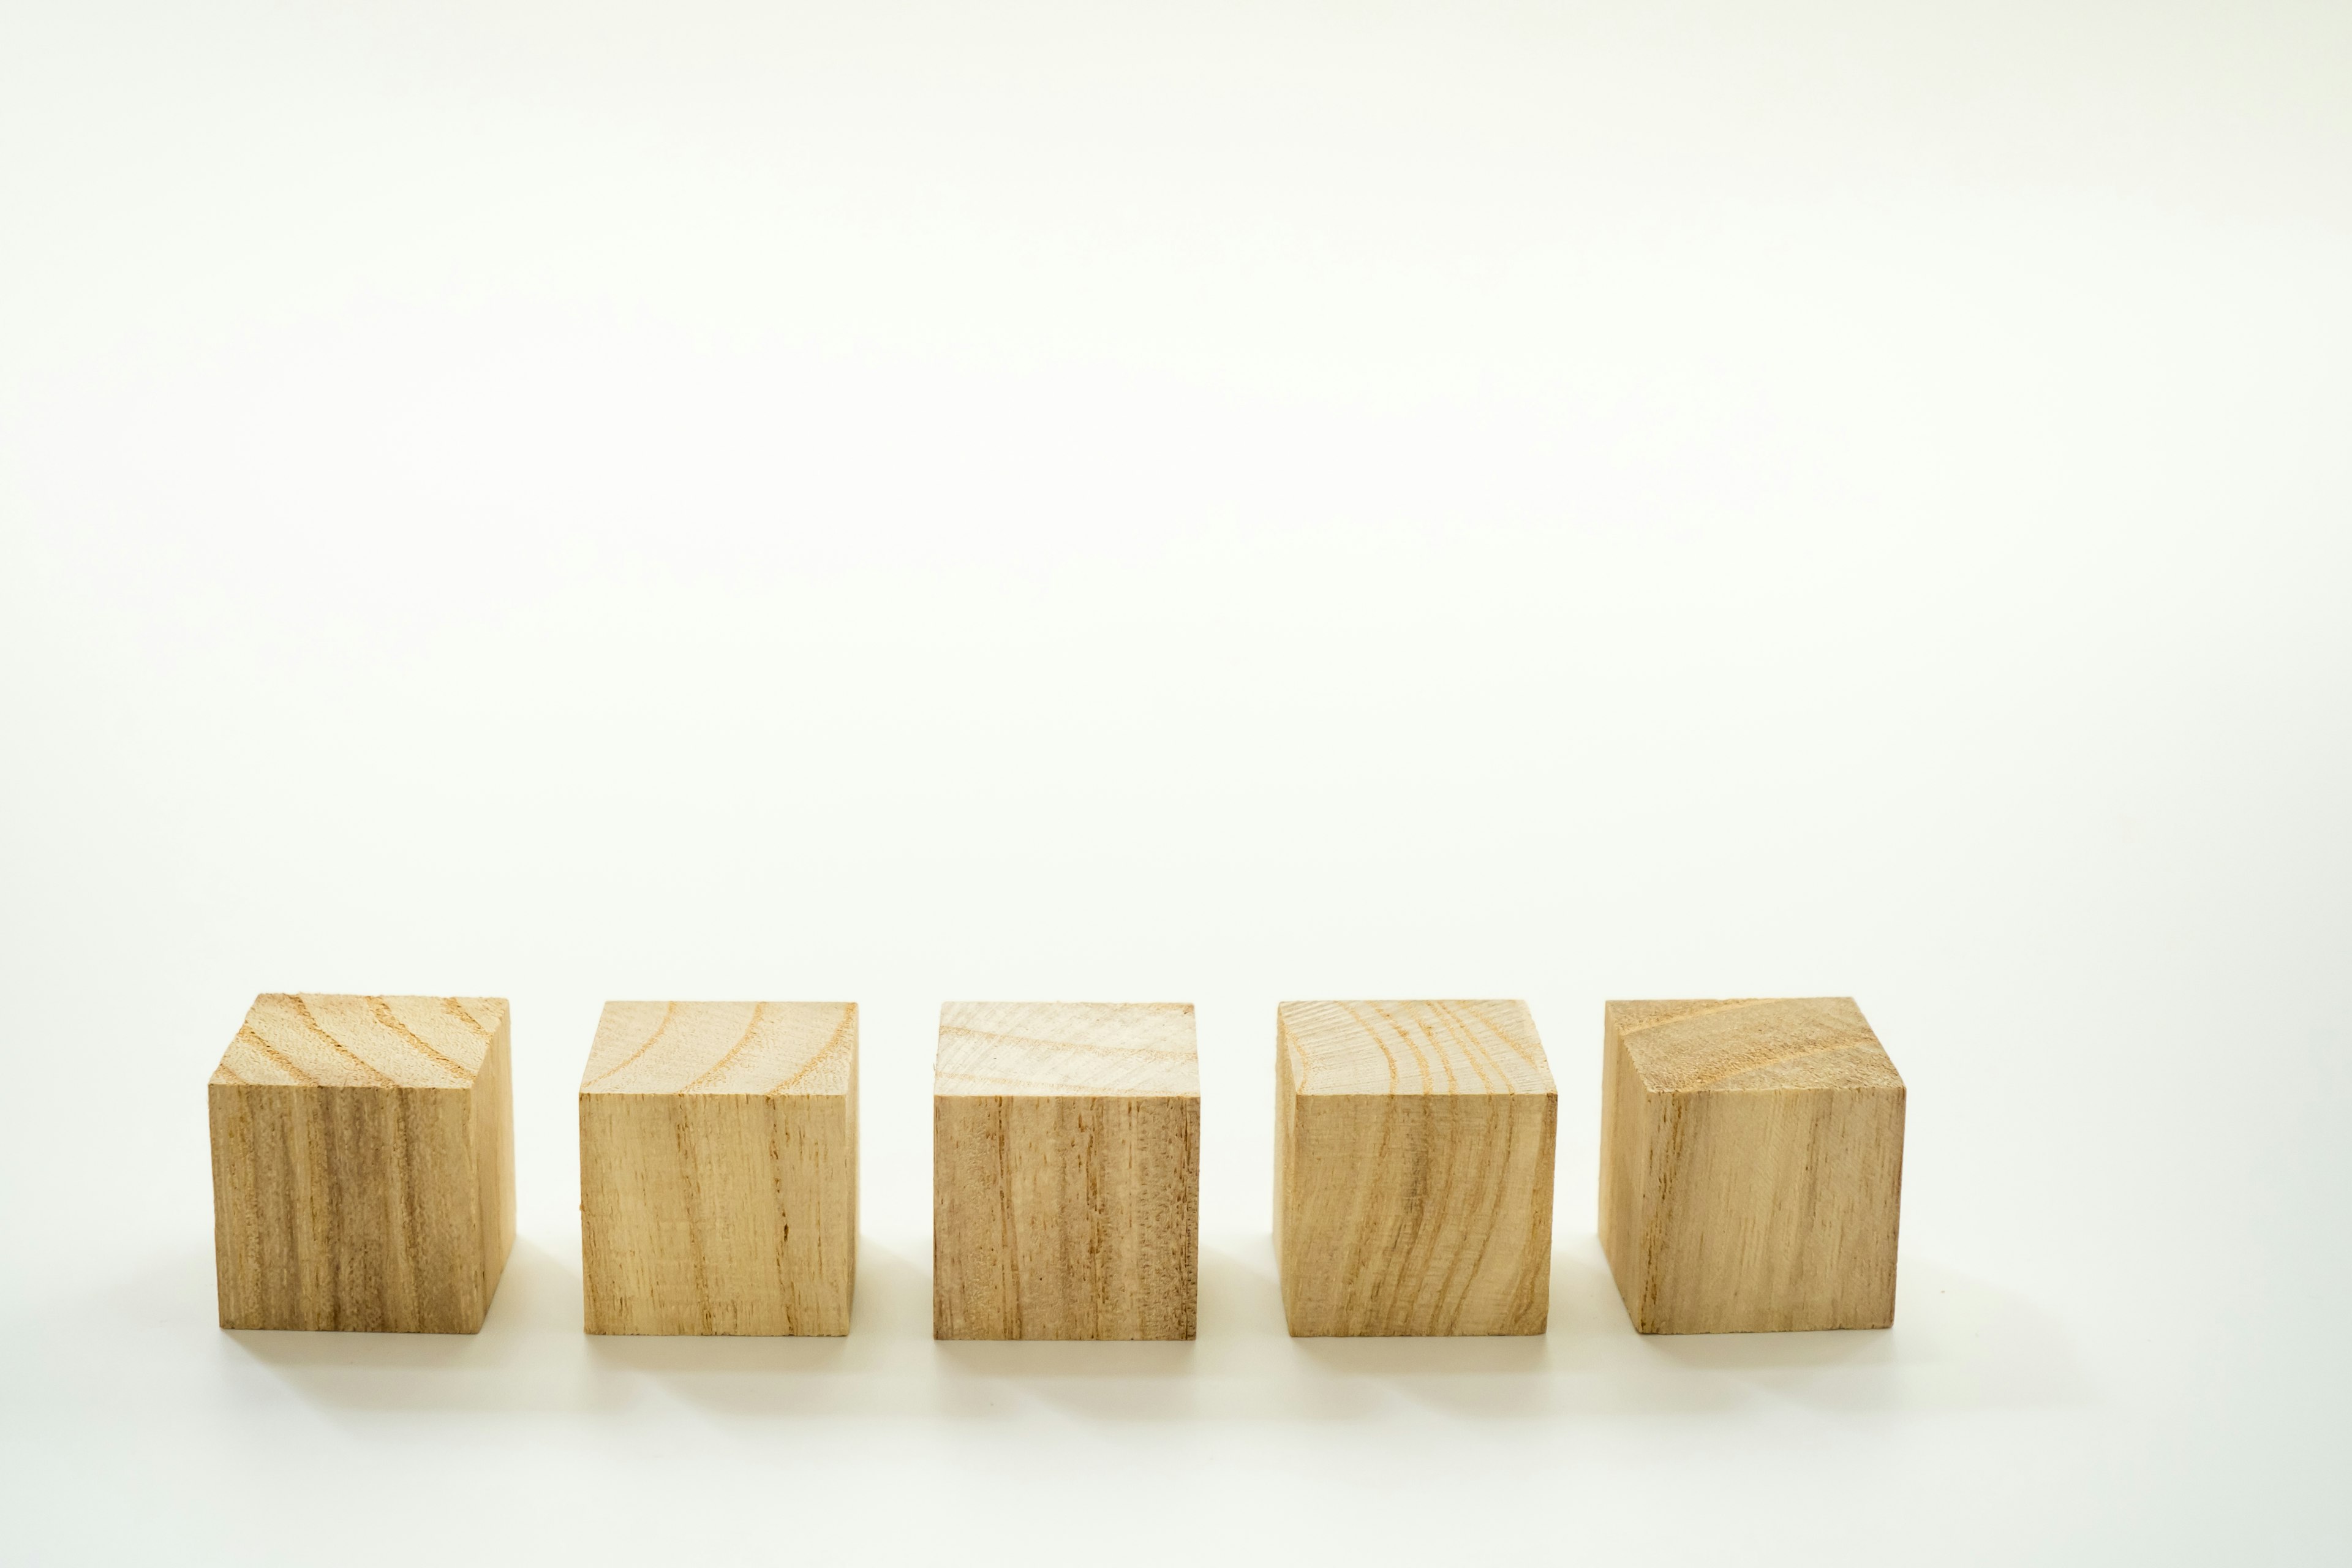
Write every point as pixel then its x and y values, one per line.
pixel 1412 1047
pixel 1116 1049
pixel 723 1048
pixel 1756 1045
pixel 363 1042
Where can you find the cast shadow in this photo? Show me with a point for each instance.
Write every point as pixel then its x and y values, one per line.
pixel 1958 1343
pixel 1472 1375
pixel 889 1366
pixel 1249 1367
pixel 1095 1380
pixel 748 1375
pixel 526 1356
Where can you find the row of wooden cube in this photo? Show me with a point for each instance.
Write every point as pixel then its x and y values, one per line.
pixel 1752 1156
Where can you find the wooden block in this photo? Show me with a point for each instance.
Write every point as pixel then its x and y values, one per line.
pixel 363 1164
pixel 1413 1168
pixel 1067 1172
pixel 718 1168
pixel 1751 1165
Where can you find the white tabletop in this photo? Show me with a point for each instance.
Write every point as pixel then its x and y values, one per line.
pixel 1191 502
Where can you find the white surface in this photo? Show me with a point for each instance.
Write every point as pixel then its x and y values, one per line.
pixel 1208 502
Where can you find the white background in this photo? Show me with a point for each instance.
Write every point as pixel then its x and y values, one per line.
pixel 1196 501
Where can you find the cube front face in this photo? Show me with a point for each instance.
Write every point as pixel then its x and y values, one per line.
pixel 1751 1165
pixel 1065 1218
pixel 1415 1147
pixel 719 1169
pixel 1066 1149
pixel 363 1164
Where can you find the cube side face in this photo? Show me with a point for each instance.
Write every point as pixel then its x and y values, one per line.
pixel 1285 1099
pixel 494 1168
pixel 849 1230
pixel 975 1274
pixel 348 1208
pixel 717 1214
pixel 1625 1122
pixel 1065 1218
pixel 1768 1211
pixel 1418 1214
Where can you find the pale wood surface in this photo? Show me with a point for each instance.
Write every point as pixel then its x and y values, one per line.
pixel 363 1164
pixel 1067 1047
pixel 1065 1147
pixel 1413 1150
pixel 1413 1047
pixel 1751 1165
pixel 723 1048
pixel 363 1042
pixel 718 1168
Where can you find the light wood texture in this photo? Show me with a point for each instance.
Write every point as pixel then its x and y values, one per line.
pixel 1414 1146
pixel 1067 1172
pixel 363 1164
pixel 718 1168
pixel 1751 1165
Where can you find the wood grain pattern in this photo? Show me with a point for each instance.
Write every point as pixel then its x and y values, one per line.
pixel 1413 1148
pixel 718 1168
pixel 1066 1182
pixel 1751 1165
pixel 363 1164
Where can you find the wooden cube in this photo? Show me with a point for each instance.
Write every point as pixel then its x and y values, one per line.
pixel 1067 1172
pixel 1413 1168
pixel 363 1164
pixel 1751 1165
pixel 718 1168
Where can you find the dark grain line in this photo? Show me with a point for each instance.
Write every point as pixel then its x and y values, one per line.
pixel 669 1011
pixel 246 1033
pixel 302 1011
pixel 759 1010
pixel 384 1013
pixel 840 1033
